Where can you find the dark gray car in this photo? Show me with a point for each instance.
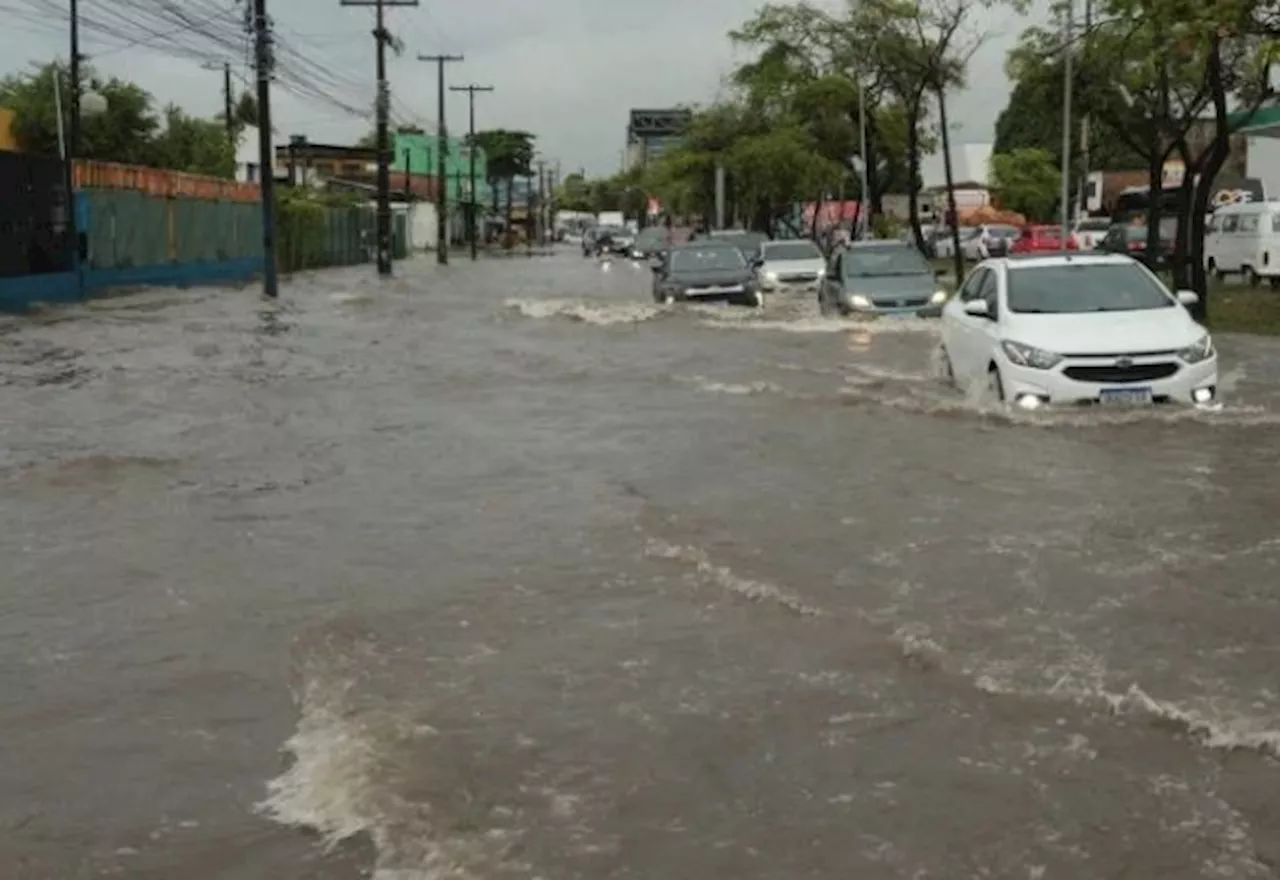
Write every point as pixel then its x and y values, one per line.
pixel 705 270
pixel 880 277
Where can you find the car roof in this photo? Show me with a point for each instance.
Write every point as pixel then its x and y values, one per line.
pixel 1044 261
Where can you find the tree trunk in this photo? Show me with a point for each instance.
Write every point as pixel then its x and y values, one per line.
pixel 1184 242
pixel 1155 195
pixel 913 168
pixel 817 212
pixel 1215 158
pixel 875 194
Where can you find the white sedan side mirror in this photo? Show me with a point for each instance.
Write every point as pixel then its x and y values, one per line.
pixel 977 308
pixel 1187 297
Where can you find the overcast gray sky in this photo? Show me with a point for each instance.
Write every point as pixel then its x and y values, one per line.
pixel 567 70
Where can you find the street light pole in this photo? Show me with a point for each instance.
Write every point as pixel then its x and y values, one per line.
pixel 442 145
pixel 1066 123
pixel 471 155
pixel 864 196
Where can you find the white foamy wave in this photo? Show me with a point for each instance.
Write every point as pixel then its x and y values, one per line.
pixel 750 320
pixel 339 785
pixel 943 401
pixel 1236 734
pixel 725 578
pixel 586 312
pixel 736 388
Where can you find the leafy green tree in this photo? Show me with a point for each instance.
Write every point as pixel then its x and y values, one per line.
pixel 245 112
pixel 508 155
pixel 1027 181
pixel 574 193
pixel 1033 117
pixel 122 134
pixel 194 145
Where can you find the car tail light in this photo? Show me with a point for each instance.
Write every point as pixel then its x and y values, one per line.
pixel 1137 245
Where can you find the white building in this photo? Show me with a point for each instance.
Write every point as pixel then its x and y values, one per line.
pixel 247 163
pixel 970 164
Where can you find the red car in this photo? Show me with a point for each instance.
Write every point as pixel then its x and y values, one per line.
pixel 1042 240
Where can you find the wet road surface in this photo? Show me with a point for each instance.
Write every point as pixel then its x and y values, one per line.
pixel 501 571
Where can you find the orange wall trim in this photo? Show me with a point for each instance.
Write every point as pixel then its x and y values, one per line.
pixel 92 174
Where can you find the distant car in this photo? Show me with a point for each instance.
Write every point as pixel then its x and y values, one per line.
pixel 705 269
pixel 1090 231
pixel 944 246
pixel 1042 239
pixel 747 242
pixel 880 277
pixel 790 265
pixel 997 241
pixel 1131 239
pixel 1076 329
pixel 649 241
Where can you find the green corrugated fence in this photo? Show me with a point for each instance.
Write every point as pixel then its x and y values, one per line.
pixel 130 229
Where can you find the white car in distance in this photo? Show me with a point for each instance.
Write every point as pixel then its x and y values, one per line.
pixel 1076 329
pixel 790 265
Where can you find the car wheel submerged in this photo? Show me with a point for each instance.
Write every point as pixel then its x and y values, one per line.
pixel 995 385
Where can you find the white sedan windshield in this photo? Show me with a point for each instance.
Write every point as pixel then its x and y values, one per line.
pixel 1085 287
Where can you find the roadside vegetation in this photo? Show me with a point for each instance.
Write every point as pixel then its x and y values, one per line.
pixel 788 130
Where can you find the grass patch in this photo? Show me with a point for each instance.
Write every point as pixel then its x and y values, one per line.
pixel 1237 309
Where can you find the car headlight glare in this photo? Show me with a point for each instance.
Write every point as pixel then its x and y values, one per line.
pixel 1200 350
pixel 939 297
pixel 1030 356
pixel 860 301
pixel 771 277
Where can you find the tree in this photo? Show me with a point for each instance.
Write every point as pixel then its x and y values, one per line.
pixel 1033 117
pixel 508 155
pixel 1027 181
pixel 122 134
pixel 194 145
pixel 245 112
pixel 574 193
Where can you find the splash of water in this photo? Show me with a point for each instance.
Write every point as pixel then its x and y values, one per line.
pixel 586 312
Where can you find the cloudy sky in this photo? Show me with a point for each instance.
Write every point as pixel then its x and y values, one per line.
pixel 567 70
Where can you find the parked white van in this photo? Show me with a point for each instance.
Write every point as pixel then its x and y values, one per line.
pixel 1244 239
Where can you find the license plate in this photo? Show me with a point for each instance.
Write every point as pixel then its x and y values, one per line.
pixel 1126 396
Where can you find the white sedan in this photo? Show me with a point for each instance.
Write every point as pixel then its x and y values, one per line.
pixel 1076 329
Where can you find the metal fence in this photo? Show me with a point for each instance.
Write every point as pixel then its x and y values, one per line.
pixel 35 236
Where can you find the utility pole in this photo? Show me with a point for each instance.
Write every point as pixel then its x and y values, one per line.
pixel 442 145
pixel 73 139
pixel 408 177
pixel 539 219
pixel 1067 75
pixel 1084 128
pixel 471 206
pixel 953 217
pixel 266 161
pixel 228 111
pixel 382 146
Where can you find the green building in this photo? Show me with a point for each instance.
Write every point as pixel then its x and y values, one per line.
pixel 419 149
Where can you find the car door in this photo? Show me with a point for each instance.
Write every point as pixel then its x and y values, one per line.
pixel 961 335
pixel 987 330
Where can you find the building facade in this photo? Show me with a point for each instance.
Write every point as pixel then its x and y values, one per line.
pixel 650 133
pixel 417 152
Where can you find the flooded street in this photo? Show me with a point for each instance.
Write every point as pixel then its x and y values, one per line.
pixel 500 570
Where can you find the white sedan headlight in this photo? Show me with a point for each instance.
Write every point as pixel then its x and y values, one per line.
pixel 1201 350
pixel 1030 356
pixel 938 298
pixel 859 301
pixel 771 277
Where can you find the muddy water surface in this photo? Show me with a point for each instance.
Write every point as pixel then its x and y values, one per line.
pixel 499 570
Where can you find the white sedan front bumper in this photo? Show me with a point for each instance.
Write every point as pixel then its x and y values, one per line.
pixel 1161 378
